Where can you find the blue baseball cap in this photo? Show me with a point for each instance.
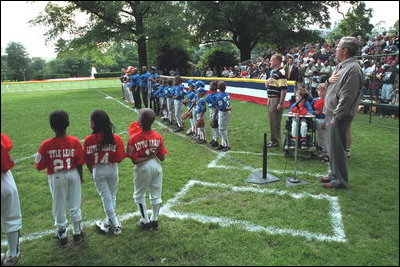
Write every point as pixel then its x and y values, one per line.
pixel 190 82
pixel 200 84
pixel 201 91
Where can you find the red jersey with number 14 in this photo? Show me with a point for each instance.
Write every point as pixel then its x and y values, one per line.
pixel 59 154
pixel 110 154
pixel 144 143
pixel 6 161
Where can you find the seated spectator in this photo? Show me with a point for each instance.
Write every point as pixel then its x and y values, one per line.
pixel 225 72
pixel 209 73
pixel 388 77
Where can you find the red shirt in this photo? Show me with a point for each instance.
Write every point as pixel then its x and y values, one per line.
pixel 301 110
pixel 6 162
pixel 59 153
pixel 318 105
pixel 111 154
pixel 144 142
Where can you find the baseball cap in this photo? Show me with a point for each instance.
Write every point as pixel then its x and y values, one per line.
pixel 190 82
pixel 200 84
pixel 201 91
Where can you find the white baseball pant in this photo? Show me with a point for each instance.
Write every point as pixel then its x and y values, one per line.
pixel 223 121
pixel 11 219
pixel 214 131
pixel 65 188
pixel 105 177
pixel 178 112
pixel 148 176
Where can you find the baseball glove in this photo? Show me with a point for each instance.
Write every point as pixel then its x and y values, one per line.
pixel 214 123
pixel 200 123
pixel 187 115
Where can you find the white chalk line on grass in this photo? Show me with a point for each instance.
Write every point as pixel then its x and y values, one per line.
pixel 214 164
pixel 220 155
pixel 33 236
pixel 334 213
pixel 166 210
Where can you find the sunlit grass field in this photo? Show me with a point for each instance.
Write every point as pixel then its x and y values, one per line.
pixel 231 223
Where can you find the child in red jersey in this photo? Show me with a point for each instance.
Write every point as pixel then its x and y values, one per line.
pixel 145 148
pixel 103 150
pixel 63 158
pixel 11 219
pixel 318 106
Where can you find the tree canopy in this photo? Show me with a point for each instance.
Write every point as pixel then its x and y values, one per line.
pixel 247 23
pixel 109 21
pixel 356 23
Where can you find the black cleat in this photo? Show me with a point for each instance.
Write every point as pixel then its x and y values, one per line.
pixel 154 225
pixel 79 237
pixel 62 237
pixel 144 226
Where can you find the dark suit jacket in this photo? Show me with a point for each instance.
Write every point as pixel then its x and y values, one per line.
pixel 294 73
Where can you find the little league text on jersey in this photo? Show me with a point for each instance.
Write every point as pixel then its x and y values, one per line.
pixel 95 148
pixel 58 153
pixel 147 143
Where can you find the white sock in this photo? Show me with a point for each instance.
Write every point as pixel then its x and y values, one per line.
pixel 143 211
pixel 77 227
pixel 156 210
pixel 12 239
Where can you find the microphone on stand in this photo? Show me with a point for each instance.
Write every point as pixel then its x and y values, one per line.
pixel 304 97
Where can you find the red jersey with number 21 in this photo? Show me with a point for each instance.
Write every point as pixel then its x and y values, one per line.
pixel 59 154
pixel 145 143
pixel 110 154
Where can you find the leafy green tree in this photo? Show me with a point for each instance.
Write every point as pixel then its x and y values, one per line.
pixel 247 23
pixel 124 55
pixel 110 21
pixel 38 65
pixel 217 58
pixel 395 27
pixel 356 23
pixel 173 57
pixel 17 61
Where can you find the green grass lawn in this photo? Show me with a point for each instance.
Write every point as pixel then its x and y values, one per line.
pixel 229 224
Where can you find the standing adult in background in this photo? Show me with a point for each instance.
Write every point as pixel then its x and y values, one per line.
pixel 344 88
pixel 292 72
pixel 123 78
pixel 197 72
pixel 276 89
pixel 209 73
pixel 143 86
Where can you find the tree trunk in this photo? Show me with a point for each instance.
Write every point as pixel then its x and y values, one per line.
pixel 142 52
pixel 244 46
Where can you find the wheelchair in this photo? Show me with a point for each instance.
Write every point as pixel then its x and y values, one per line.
pixel 311 149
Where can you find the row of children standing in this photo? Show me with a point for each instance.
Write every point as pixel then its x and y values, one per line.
pixel 172 99
pixel 63 157
pixel 136 89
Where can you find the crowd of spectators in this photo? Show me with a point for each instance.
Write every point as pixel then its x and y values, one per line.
pixel 310 64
